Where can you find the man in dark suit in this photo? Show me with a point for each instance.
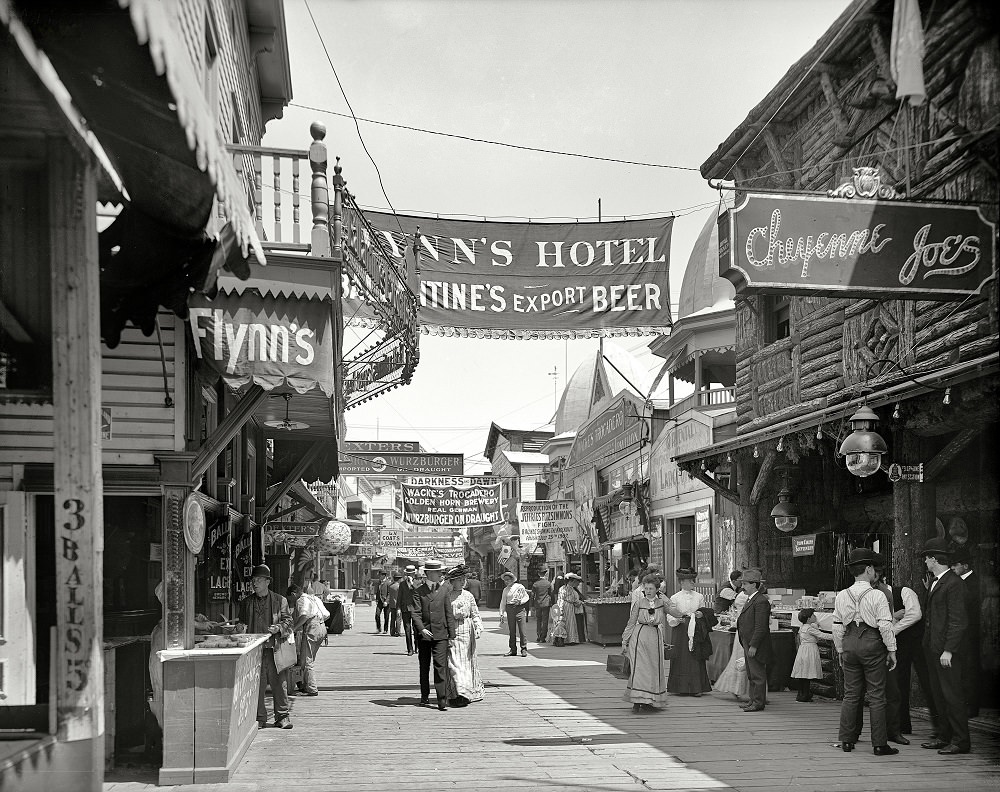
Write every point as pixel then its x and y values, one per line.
pixel 434 623
pixel 404 599
pixel 945 625
pixel 961 565
pixel 474 587
pixel 753 628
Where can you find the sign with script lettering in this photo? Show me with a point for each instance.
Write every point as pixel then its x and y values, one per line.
pixel 532 280
pixel 803 244
pixel 268 340
pixel 458 501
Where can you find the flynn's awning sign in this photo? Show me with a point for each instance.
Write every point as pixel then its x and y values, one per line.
pixel 268 340
pixel 535 280
pixel 856 248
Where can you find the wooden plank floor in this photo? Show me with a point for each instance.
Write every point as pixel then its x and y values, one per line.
pixel 556 721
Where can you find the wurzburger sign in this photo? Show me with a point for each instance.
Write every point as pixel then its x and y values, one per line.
pixel 859 248
pixel 533 280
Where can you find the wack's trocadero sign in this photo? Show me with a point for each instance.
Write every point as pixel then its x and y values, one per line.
pixel 856 248
pixel 533 280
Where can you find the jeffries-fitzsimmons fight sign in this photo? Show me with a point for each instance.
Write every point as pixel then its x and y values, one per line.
pixel 856 248
pixel 457 501
pixel 535 280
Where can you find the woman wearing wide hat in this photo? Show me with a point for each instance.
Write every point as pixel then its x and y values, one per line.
pixel 465 683
pixel 689 619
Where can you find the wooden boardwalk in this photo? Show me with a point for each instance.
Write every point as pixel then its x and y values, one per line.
pixel 557 721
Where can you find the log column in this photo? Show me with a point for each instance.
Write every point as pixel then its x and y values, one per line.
pixel 914 508
pixel 747 526
pixel 78 484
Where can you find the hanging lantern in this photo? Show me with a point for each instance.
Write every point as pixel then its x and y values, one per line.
pixel 334 538
pixel 864 447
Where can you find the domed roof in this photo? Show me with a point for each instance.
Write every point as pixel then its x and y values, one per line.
pixel 702 286
pixel 577 401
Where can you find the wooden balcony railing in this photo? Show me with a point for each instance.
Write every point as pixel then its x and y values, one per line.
pixel 712 398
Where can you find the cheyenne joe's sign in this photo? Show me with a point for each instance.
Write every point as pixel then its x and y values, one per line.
pixel 861 248
pixel 533 280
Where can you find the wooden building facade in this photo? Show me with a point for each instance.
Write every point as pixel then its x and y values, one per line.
pixel 806 362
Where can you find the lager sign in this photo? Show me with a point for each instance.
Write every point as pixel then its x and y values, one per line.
pixel 803 244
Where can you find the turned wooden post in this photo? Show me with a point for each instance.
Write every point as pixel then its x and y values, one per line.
pixel 78 483
pixel 320 193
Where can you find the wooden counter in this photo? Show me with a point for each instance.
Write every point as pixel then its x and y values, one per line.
pixel 209 711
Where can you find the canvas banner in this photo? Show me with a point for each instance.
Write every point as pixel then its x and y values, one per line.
pixel 546 521
pixel 457 501
pixel 532 280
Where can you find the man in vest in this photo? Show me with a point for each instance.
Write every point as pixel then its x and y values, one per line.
pixel 866 644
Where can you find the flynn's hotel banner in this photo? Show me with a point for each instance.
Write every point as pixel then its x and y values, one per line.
pixel 533 280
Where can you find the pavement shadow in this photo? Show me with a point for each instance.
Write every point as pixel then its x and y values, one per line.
pixel 402 701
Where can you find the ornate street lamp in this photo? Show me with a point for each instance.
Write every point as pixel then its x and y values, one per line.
pixel 786 511
pixel 863 447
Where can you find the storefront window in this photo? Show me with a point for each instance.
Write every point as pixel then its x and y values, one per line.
pixel 685 542
pixel 132 565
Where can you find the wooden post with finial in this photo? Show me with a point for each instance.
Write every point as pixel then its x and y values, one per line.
pixel 320 193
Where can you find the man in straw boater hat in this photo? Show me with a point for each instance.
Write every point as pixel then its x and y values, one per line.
pixel 753 627
pixel 434 624
pixel 945 624
pixel 866 644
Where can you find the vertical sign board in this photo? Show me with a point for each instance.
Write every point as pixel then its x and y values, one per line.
pixel 219 548
pixel 242 558
pixel 804 545
pixel 703 544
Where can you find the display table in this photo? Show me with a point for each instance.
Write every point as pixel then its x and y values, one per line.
pixel 779 669
pixel 606 621
pixel 209 711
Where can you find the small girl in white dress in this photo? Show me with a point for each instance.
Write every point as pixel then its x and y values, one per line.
pixel 807 665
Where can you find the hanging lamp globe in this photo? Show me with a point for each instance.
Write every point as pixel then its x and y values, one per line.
pixel 334 538
pixel 785 512
pixel 863 448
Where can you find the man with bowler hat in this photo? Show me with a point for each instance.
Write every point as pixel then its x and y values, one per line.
pixel 945 624
pixel 866 644
pixel 754 629
pixel 266 611
pixel 434 623
pixel 404 599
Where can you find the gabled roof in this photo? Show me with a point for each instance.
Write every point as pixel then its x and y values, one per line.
pixel 531 437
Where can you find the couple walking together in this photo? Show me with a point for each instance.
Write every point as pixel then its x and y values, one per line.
pixel 446 625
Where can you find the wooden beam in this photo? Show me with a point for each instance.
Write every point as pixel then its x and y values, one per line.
pixel 726 493
pixel 224 433
pixel 945 456
pixel 294 475
pixel 762 476
pixel 77 479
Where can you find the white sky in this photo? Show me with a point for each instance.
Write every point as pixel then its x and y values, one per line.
pixel 660 81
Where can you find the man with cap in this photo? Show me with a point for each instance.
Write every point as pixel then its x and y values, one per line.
pixel 266 611
pixel 434 623
pixel 961 565
pixel 866 644
pixel 753 626
pixel 514 612
pixel 404 599
pixel 945 625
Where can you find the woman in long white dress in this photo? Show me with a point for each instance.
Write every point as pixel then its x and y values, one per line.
pixel 465 683
pixel 733 678
pixel 688 674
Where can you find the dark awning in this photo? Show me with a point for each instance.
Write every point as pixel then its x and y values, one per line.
pixel 130 74
pixel 289 448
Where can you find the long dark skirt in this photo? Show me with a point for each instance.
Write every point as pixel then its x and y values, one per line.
pixel 687 674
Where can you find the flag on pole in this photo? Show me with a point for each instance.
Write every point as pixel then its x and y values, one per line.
pixel 906 52
pixel 586 545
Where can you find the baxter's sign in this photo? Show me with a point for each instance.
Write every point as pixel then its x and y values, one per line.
pixel 859 248
pixel 365 464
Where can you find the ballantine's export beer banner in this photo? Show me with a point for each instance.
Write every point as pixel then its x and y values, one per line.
pixel 455 501
pixel 265 340
pixel 533 280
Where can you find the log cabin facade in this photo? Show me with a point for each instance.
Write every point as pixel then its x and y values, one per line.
pixel 804 363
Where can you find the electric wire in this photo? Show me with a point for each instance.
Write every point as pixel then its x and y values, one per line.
pixel 486 141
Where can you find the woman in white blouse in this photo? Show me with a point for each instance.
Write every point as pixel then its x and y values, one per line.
pixel 688 674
